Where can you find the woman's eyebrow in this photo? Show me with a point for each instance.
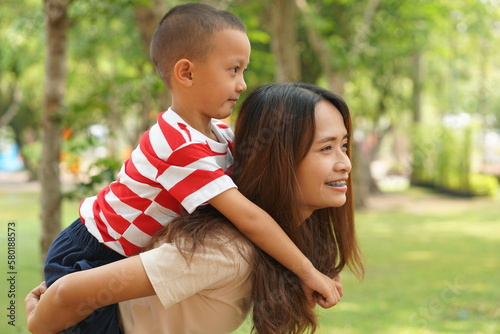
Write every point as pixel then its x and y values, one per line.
pixel 333 138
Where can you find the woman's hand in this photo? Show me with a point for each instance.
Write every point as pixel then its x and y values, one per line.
pixel 31 301
pixel 322 290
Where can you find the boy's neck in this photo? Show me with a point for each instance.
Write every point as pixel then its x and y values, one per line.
pixel 196 120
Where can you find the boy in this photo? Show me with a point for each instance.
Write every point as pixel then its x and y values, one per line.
pixel 201 54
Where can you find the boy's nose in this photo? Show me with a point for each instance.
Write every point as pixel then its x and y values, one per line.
pixel 241 86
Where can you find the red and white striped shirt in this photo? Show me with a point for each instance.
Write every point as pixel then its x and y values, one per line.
pixel 173 167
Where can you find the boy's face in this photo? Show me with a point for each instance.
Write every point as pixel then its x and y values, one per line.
pixel 218 80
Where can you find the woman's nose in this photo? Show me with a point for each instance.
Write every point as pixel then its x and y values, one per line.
pixel 343 164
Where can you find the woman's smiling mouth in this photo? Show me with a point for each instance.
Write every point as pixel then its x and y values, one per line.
pixel 336 184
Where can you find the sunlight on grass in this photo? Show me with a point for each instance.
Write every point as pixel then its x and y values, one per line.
pixel 427 272
pixel 418 256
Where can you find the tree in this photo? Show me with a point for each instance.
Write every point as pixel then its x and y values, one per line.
pixel 147 18
pixel 336 40
pixel 57 25
pixel 281 22
pixel 21 77
pixel 277 21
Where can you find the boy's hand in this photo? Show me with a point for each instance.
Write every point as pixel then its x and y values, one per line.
pixel 32 299
pixel 322 290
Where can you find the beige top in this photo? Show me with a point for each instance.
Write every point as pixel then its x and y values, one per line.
pixel 210 295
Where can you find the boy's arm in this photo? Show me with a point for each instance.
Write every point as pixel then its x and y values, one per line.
pixel 73 297
pixel 262 229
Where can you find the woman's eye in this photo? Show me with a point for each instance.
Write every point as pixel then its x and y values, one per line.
pixel 327 148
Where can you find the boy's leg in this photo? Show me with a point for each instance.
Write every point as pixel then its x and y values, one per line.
pixel 75 249
pixel 102 321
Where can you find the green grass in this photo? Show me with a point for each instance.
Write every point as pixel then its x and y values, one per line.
pixel 432 266
pixel 434 269
pixel 23 209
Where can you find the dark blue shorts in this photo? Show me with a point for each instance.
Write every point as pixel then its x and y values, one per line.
pixel 75 249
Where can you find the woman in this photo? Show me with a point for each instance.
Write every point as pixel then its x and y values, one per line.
pixel 292 159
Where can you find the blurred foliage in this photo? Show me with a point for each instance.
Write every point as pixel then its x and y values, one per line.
pixel 102 172
pixel 443 160
pixel 365 50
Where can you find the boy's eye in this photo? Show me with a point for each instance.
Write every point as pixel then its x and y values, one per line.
pixel 235 69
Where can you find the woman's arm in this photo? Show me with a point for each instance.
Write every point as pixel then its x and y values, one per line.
pixel 73 297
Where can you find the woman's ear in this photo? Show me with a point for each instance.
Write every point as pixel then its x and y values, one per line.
pixel 182 72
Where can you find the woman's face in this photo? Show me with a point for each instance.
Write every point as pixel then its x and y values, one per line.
pixel 323 173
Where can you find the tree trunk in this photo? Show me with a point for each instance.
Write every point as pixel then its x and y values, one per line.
pixel 417 88
pixel 13 106
pixel 318 45
pixel 283 29
pixel 147 18
pixel 359 176
pixel 56 26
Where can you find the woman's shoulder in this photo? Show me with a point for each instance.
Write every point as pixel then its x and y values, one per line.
pixel 231 251
pixel 235 245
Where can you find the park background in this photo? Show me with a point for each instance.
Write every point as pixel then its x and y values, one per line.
pixel 421 78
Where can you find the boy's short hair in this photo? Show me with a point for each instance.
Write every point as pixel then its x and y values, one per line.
pixel 186 32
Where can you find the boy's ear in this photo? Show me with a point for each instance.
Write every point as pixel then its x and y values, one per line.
pixel 182 72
